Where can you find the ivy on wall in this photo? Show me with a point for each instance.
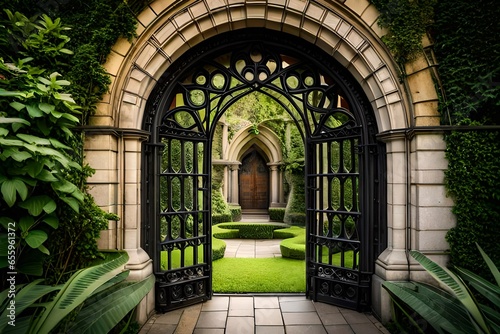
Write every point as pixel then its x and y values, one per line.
pixel 467 49
pixel 407 21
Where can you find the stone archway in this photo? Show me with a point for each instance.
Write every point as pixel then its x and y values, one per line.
pixel 406 117
pixel 270 148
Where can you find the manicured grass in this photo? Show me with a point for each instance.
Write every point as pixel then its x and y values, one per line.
pixel 261 275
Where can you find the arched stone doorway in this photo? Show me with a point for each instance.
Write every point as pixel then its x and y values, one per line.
pixel 405 112
pixel 254 184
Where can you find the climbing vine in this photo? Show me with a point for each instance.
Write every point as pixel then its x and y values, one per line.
pixel 469 56
pixel 407 22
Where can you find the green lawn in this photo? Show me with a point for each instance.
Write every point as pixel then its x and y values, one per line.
pixel 241 275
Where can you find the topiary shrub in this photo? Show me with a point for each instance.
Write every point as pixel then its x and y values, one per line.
pixel 294 245
pixel 296 207
pixel 235 212
pixel 276 214
pixel 218 248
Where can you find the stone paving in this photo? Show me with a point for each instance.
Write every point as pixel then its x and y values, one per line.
pixel 261 313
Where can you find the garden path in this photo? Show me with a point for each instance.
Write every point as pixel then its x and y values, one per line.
pixel 261 313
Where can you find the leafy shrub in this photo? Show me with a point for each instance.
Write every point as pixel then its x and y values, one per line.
pixel 245 230
pixel 235 213
pixel 464 45
pixel 218 249
pixel 276 214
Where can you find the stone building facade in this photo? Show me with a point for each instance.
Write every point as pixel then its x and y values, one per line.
pixel 407 120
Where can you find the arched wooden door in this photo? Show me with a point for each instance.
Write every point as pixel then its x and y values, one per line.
pixel 254 182
pixel 345 221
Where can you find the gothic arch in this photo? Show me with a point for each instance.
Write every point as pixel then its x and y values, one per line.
pixel 270 147
pixel 266 140
pixel 347 31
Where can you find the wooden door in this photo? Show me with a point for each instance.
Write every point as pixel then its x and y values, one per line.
pixel 254 182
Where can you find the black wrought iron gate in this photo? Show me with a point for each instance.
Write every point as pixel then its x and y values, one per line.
pixel 344 222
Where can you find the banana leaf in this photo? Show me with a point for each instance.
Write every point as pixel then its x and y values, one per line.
pixel 485 288
pixel 494 270
pixel 493 316
pixel 77 289
pixel 26 295
pixel 441 310
pixel 459 289
pixel 102 312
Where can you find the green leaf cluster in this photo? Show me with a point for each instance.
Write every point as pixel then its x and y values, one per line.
pixel 468 54
pixel 454 309
pixel 35 151
pixel 407 22
pixel 93 300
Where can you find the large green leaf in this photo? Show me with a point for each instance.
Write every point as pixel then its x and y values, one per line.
pixel 441 310
pixel 26 222
pixel 107 309
pixel 73 203
pixel 33 139
pixel 35 238
pixel 484 287
pixel 38 204
pixel 25 296
pixel 452 281
pixel 493 268
pixel 77 289
pixel 16 154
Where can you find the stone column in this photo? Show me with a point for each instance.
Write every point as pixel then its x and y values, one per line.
pixel 418 211
pixel 274 182
pixel 234 181
pixel 392 264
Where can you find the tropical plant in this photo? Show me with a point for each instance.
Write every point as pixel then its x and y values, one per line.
pixel 93 300
pixel 35 139
pixel 457 308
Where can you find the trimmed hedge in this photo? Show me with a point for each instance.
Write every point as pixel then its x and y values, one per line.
pixel 235 213
pixel 218 249
pixel 277 214
pixel 294 245
pixel 244 230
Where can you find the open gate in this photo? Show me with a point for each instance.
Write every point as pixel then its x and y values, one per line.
pixel 343 221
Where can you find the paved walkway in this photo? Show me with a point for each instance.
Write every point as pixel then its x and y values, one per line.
pixel 261 313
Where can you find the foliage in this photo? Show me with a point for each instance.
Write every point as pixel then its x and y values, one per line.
pixel 99 25
pixel 407 22
pixel 295 247
pixel 473 179
pixel 220 209
pixel 35 139
pixel 456 309
pixel 296 206
pixel 235 212
pixel 42 308
pixel 43 174
pixel 245 230
pixel 468 55
pixel 276 214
